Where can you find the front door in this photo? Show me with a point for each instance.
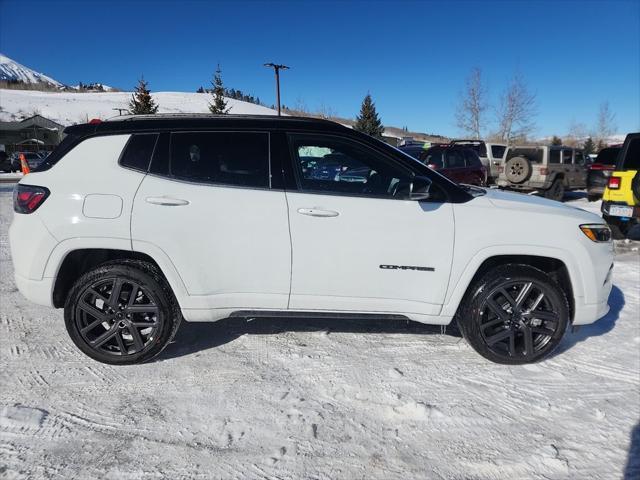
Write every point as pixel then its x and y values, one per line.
pixel 358 243
pixel 207 204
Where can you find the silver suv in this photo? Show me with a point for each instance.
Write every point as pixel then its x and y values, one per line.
pixel 551 170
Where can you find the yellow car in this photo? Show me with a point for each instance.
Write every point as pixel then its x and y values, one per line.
pixel 621 199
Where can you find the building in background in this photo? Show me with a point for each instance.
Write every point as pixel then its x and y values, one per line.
pixel 32 134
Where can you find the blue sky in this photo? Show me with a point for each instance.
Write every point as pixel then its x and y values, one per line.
pixel 411 56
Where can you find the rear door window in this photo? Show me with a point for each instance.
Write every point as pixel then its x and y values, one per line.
pixel 554 156
pixel 567 157
pixel 228 158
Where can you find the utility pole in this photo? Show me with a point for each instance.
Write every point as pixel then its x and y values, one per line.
pixel 276 69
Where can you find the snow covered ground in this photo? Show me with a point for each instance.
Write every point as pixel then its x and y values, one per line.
pixel 68 108
pixel 318 399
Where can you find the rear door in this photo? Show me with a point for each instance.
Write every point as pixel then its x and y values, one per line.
pixel 358 243
pixel 208 207
pixel 580 170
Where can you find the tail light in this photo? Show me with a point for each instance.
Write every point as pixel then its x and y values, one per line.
pixel 544 171
pixel 27 198
pixel 614 183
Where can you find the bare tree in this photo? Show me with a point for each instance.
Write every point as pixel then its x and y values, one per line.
pixel 326 111
pixel 576 135
pixel 516 111
pixel 605 126
pixel 472 105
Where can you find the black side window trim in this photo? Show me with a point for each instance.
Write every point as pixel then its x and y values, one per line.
pixel 126 146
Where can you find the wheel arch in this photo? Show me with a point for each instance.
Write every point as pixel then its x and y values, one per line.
pixel 552 265
pixel 76 262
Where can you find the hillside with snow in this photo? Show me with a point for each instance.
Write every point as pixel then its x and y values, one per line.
pixel 12 71
pixel 68 108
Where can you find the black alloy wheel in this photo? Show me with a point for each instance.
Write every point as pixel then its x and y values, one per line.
pixel 122 312
pixel 517 314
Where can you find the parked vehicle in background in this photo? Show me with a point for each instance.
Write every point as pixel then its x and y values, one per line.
pixel 621 198
pixel 550 170
pixel 34 159
pixel 599 171
pixel 6 165
pixel 133 224
pixel 491 155
pixel 462 165
pixel 414 149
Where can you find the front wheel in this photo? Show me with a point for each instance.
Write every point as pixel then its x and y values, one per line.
pixel 122 312
pixel 514 314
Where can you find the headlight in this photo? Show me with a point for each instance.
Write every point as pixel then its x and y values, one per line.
pixel 597 232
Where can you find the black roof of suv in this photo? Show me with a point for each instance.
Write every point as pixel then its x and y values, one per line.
pixel 140 123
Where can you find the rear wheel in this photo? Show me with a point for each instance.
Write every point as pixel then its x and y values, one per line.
pixel 122 312
pixel 514 314
pixel 593 198
pixel 556 192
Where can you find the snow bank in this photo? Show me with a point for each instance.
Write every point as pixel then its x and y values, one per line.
pixel 68 108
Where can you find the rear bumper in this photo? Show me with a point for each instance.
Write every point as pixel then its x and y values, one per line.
pixel 36 291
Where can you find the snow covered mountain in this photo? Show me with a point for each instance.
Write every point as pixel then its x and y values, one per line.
pixel 12 71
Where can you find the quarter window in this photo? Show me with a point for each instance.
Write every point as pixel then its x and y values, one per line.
pixel 454 159
pixel 554 156
pixel 497 151
pixel 567 156
pixel 137 153
pixel 332 164
pixel 230 158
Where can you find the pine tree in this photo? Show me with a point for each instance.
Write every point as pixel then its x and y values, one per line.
pixel 219 105
pixel 556 140
pixel 368 121
pixel 589 146
pixel 141 101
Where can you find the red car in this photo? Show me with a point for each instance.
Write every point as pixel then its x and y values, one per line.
pixel 599 172
pixel 462 165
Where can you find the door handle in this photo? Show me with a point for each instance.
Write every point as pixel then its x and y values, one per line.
pixel 316 212
pixel 167 201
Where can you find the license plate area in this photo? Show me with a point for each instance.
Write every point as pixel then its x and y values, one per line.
pixel 620 211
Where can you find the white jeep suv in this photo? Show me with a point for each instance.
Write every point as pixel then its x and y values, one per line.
pixel 133 224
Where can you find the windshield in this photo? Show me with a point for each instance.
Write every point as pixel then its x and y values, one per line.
pixel 534 154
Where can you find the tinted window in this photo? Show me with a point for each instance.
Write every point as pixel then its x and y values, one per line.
pixel 472 159
pixel 454 159
pixel 632 156
pixel 432 158
pixel 479 147
pixel 554 156
pixel 579 158
pixel 497 151
pixel 232 158
pixel 567 156
pixel 533 154
pixel 608 156
pixel 331 164
pixel 137 153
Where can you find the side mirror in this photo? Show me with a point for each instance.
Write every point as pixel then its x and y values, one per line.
pixel 419 189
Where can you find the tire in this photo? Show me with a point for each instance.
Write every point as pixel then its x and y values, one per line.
pixel 618 228
pixel 635 185
pixel 518 169
pixel 593 198
pixel 556 191
pixel 132 330
pixel 510 330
